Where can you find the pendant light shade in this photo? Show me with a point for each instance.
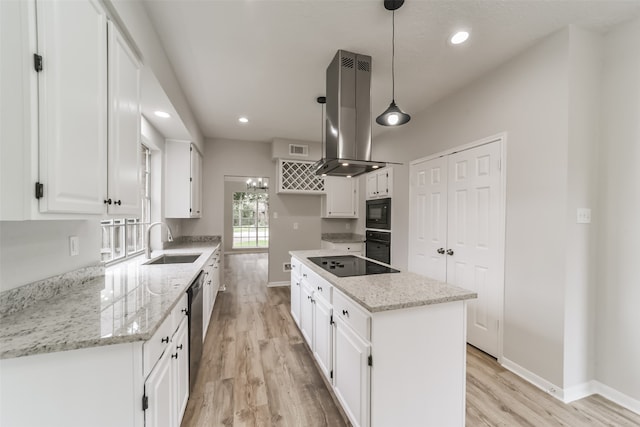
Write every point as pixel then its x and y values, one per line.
pixel 393 116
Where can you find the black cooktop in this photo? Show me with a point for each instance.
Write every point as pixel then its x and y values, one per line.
pixel 349 265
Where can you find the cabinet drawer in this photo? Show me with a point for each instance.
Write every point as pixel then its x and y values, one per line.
pixel 179 312
pixel 319 285
pixel 352 314
pixel 153 349
pixel 348 247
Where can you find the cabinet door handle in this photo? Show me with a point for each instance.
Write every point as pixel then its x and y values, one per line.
pixel 320 288
pixel 179 347
pixel 119 202
pixel 174 356
pixel 165 339
pixel 107 202
pixel 440 251
pixel 449 251
pixel 345 313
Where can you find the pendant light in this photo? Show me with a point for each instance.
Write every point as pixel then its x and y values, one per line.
pixel 393 116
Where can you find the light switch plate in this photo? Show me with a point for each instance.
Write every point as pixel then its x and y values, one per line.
pixel 583 216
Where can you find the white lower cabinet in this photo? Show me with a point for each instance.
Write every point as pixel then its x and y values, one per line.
pixel 158 389
pixel 180 360
pixel 210 289
pixel 306 312
pixel 352 373
pixel 295 296
pixel 322 335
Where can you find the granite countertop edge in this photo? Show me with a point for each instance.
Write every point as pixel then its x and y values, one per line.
pixel 37 345
pixel 411 281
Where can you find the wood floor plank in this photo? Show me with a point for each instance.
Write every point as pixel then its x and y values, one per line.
pixel 256 370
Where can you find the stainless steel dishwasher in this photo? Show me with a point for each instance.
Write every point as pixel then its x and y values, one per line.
pixel 195 327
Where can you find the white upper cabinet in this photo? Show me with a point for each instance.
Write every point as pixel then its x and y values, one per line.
pixel 341 199
pixel 70 144
pixel 72 107
pixel 183 180
pixel 380 183
pixel 124 126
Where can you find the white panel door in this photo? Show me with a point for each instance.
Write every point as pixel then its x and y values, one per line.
pixel 72 107
pixel 428 219
pixel 124 127
pixel 473 262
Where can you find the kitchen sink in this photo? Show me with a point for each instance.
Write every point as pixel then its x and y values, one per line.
pixel 174 259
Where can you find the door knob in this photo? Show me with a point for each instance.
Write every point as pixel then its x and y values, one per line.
pixel 449 251
pixel 440 251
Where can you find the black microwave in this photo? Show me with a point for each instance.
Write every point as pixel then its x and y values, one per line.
pixel 379 214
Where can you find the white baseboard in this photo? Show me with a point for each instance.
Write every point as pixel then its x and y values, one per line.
pixel 534 379
pixel 276 284
pixel 576 392
pixel 616 396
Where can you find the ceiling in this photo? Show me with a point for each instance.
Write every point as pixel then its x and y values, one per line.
pixel 266 59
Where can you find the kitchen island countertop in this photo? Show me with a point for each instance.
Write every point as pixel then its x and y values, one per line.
pixel 127 304
pixel 390 291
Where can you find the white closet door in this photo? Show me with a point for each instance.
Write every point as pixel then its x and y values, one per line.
pixel 473 237
pixel 428 219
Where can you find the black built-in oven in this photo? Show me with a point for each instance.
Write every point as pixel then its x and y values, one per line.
pixel 379 214
pixel 378 246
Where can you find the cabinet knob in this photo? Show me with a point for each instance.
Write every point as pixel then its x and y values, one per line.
pixel 304 274
pixel 185 311
pixel 174 356
pixel 440 251
pixel 165 339
pixel 320 288
pixel 107 202
pixel 179 347
pixel 345 313
pixel 119 202
pixel 449 251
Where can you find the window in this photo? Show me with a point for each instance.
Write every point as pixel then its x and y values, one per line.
pixel 122 238
pixel 250 220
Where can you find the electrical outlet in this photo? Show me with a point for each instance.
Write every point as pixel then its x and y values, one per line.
pixel 583 216
pixel 347 226
pixel 74 245
pixel 295 225
pixel 286 266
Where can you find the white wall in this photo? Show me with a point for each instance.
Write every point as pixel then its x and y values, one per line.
pixel 527 98
pixel 35 250
pixel 585 66
pixel 618 297
pixel 240 158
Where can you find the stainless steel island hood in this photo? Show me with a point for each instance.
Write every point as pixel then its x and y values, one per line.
pixel 347 146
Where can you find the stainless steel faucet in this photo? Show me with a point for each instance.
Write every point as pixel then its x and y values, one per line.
pixel 148 248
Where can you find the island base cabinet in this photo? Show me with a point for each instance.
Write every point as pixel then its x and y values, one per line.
pixel 322 336
pixel 418 372
pixel 295 298
pixel 352 374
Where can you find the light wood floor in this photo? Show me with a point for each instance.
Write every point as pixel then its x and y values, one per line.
pixel 257 371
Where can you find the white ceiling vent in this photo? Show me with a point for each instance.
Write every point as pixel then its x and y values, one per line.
pixel 298 150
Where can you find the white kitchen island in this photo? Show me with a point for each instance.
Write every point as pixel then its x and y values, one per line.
pixel 392 346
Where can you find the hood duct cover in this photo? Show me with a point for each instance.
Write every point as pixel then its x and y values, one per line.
pixel 347 146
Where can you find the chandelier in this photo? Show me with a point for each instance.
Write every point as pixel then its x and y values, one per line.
pixel 257 184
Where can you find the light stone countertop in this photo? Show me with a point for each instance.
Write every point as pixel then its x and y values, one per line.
pixel 343 237
pixel 390 291
pixel 127 304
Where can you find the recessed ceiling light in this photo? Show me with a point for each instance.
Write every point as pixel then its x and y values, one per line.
pixel 162 114
pixel 459 37
pixel 243 120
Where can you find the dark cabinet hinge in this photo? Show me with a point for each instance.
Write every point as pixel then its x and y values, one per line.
pixel 37 62
pixel 331 320
pixel 145 402
pixel 370 360
pixel 331 374
pixel 39 190
pixel 190 179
